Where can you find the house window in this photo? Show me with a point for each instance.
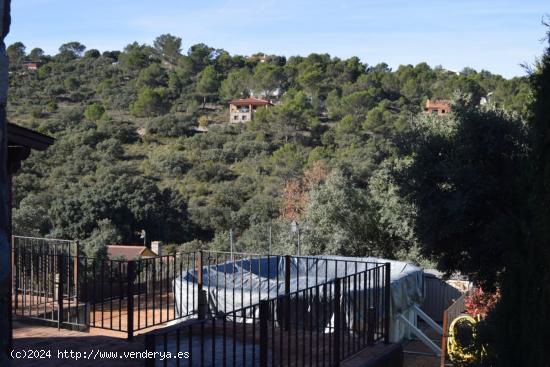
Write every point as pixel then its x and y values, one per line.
pixel 434 112
pixel 235 117
pixel 243 117
pixel 442 111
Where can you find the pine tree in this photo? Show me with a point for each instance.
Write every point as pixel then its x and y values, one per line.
pixel 522 321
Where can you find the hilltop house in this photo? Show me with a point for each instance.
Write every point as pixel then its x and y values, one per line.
pixel 437 107
pixel 32 65
pixel 269 94
pixel 243 110
pixel 258 57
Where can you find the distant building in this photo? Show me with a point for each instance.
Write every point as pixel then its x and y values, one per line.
pixel 243 110
pixel 437 107
pixel 32 65
pixel 485 100
pixel 129 252
pixel 451 72
pixel 258 57
pixel 274 94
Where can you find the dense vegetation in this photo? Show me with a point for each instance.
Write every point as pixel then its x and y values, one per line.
pixel 520 326
pixel 478 184
pixel 128 155
pixel 347 154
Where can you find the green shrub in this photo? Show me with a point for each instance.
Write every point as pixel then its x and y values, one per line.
pixel 94 112
pixel 170 125
pixel 150 102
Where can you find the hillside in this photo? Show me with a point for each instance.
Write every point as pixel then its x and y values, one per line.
pixel 128 157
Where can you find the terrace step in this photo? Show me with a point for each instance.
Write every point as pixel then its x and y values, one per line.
pixel 380 355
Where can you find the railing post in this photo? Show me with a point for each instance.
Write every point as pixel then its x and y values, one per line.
pixel 387 303
pixel 150 347
pixel 131 275
pixel 371 320
pixel 264 315
pixel 13 291
pixel 337 321
pixel 75 269
pixel 287 274
pixel 199 270
pixel 287 293
pixel 201 295
pixel 60 286
pixel 14 273
pixel 444 338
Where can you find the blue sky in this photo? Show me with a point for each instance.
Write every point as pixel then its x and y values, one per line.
pixel 496 35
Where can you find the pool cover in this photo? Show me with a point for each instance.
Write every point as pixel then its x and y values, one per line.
pixel 243 282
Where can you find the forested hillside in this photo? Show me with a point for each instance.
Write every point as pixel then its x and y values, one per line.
pixel 128 155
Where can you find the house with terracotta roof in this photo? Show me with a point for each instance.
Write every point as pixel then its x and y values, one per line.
pixel 438 107
pixel 129 252
pixel 32 65
pixel 243 110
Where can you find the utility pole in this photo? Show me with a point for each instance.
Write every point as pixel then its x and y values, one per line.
pixel 269 248
pixel 143 235
pixel 295 226
pixel 299 244
pixel 231 245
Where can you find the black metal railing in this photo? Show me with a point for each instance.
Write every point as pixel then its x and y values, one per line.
pixel 155 290
pixel 226 276
pixel 51 282
pixel 44 280
pixel 322 324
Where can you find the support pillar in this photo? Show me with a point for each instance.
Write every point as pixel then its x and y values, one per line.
pixel 5 243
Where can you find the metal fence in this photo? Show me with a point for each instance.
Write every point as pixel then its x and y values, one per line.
pixel 52 283
pixel 278 272
pixel 44 280
pixel 154 299
pixel 321 324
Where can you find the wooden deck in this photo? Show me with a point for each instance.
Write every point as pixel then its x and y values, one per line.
pixel 240 342
pixel 107 318
pixel 44 338
pixel 148 312
pixel 295 347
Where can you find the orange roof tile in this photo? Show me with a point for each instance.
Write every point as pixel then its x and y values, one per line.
pixel 438 103
pixel 127 251
pixel 250 102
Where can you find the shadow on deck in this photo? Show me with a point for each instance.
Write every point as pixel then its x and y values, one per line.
pixel 43 339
